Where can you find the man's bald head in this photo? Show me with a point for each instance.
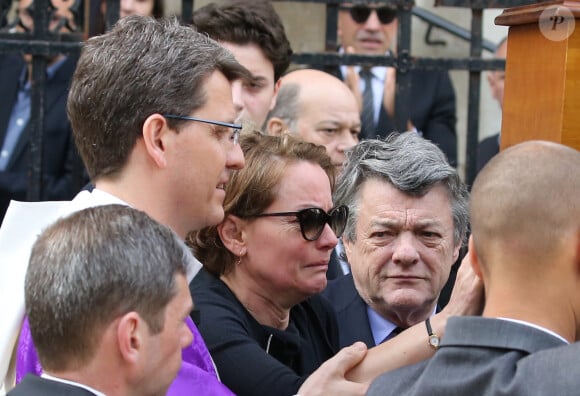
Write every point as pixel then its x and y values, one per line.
pixel 320 108
pixel 525 201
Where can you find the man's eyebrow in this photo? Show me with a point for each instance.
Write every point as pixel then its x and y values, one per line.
pixel 255 79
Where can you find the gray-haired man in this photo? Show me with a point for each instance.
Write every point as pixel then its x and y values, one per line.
pixel 408 219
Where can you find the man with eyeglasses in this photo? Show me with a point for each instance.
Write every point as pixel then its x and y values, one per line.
pixel 370 28
pixel 408 219
pixel 151 110
pixel 152 115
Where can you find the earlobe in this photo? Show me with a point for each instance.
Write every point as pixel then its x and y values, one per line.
pixel 129 337
pixel 276 126
pixel 473 260
pixel 231 233
pixel 155 131
pixel 347 246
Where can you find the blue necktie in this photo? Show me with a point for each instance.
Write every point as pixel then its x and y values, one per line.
pixel 393 333
pixel 367 115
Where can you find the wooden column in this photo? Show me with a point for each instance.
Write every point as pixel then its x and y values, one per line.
pixel 542 87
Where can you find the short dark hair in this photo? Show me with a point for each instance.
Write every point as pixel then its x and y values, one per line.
pixel 141 67
pixel 91 267
pixel 244 22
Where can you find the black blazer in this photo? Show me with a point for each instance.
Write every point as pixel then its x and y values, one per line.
pixel 432 110
pixel 58 151
pixel 351 312
pixel 32 385
pixel 334 268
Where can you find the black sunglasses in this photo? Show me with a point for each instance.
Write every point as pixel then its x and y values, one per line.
pixel 360 13
pixel 313 220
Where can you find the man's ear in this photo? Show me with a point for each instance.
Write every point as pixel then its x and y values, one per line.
pixel 347 244
pixel 155 133
pixel 276 126
pixel 232 234
pixel 276 90
pixel 130 331
pixel 472 253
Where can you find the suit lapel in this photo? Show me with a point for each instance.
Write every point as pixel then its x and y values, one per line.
pixel 352 315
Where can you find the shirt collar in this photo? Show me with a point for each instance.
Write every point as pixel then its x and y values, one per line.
pixel 378 72
pixel 88 388
pixel 381 327
pixel 50 72
pixel 535 326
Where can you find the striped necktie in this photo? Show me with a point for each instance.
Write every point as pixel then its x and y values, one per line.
pixel 393 333
pixel 367 115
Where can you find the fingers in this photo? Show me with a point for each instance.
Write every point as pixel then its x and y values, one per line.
pixel 349 356
pixel 467 297
pixel 330 379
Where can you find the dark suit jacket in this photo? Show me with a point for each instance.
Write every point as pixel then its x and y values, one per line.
pixel 334 268
pixel 481 356
pixel 351 312
pixel 486 149
pixel 58 149
pixel 32 385
pixel 432 110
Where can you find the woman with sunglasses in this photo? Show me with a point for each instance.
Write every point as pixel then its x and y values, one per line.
pixel 265 324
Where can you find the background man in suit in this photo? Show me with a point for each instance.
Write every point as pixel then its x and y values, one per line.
pixel 525 246
pixel 15 107
pixel 489 146
pixel 254 33
pixel 106 296
pixel 408 219
pixel 371 29
pixel 321 109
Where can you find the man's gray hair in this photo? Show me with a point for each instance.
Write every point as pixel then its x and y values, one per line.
pixel 91 267
pixel 287 106
pixel 411 164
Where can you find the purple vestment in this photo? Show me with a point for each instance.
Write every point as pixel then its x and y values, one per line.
pixel 197 375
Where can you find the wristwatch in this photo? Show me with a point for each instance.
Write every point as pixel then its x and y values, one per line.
pixel 433 338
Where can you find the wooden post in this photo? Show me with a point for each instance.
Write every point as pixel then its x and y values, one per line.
pixel 542 87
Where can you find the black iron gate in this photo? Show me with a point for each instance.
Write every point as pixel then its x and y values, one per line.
pixel 41 43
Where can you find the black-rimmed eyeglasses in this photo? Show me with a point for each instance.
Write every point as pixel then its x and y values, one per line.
pixel 313 220
pixel 236 128
pixel 360 13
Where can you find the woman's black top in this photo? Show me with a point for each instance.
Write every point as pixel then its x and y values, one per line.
pixel 253 359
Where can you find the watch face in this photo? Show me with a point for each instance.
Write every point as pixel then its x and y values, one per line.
pixel 434 341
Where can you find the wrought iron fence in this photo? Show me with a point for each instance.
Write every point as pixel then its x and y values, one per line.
pixel 46 39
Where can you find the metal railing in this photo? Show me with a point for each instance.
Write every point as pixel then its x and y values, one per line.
pixel 41 43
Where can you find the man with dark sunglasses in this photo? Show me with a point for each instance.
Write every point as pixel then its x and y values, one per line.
pixel 370 28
